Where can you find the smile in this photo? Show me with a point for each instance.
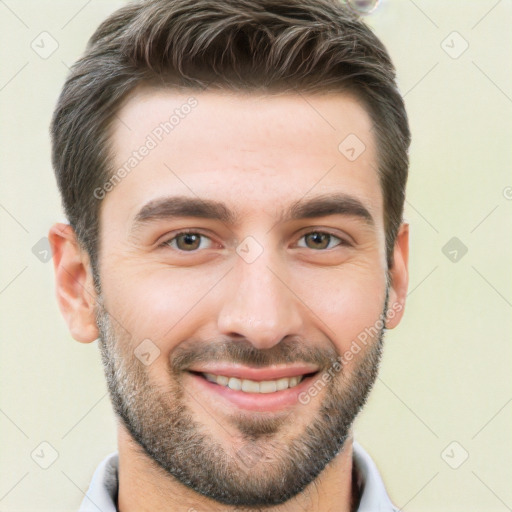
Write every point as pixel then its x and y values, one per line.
pixel 254 389
pixel 253 386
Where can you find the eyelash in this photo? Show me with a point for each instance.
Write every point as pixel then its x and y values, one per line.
pixel 342 242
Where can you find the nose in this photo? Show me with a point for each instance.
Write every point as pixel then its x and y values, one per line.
pixel 259 304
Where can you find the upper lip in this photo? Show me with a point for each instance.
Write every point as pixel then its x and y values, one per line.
pixel 257 374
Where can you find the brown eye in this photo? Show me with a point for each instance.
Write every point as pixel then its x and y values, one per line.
pixel 189 242
pixel 319 240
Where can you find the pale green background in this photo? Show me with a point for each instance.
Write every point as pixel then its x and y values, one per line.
pixel 446 373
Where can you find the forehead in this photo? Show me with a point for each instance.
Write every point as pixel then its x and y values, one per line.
pixel 250 150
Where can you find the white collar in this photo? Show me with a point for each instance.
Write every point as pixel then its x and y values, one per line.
pixel 102 493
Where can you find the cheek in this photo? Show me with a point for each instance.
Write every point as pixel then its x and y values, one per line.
pixel 162 305
pixel 346 303
pixel 169 305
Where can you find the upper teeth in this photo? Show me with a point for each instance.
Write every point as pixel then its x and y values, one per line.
pixel 252 386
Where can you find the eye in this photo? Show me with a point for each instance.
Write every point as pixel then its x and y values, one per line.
pixel 319 240
pixel 189 241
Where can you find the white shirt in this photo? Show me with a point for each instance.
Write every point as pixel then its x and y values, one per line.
pixel 102 492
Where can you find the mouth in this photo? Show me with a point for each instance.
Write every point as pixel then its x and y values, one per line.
pixel 269 389
pixel 254 386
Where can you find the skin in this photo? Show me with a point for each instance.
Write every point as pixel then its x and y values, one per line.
pixel 258 154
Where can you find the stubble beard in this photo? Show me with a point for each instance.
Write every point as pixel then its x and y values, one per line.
pixel 266 468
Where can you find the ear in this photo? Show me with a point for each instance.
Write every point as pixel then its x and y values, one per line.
pixel 399 277
pixel 75 291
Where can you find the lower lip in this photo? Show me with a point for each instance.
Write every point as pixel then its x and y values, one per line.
pixel 255 401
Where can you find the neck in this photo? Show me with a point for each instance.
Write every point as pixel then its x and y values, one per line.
pixel 145 487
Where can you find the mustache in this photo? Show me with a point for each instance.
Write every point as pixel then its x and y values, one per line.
pixel 287 351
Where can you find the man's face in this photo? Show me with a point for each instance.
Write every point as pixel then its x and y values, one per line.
pixel 277 279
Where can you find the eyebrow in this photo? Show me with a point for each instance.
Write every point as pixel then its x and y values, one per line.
pixel 165 208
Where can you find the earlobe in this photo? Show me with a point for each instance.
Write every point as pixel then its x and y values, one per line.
pixel 74 283
pixel 399 278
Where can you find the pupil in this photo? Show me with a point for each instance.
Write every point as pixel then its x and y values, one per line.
pixel 190 240
pixel 319 238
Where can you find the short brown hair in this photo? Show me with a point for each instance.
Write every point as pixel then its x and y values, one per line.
pixel 250 45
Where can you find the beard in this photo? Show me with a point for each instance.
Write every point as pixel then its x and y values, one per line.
pixel 264 466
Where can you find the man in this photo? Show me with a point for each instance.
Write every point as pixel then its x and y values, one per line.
pixel 234 174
